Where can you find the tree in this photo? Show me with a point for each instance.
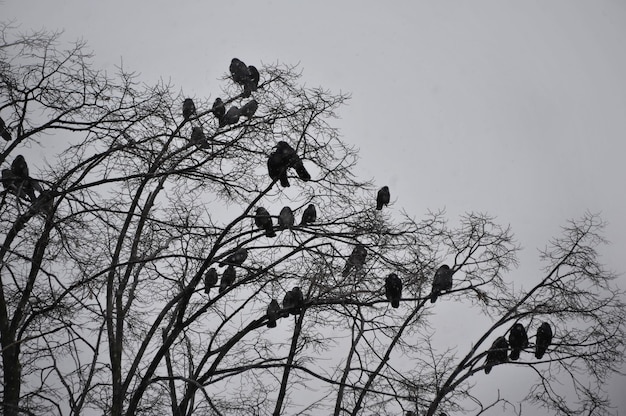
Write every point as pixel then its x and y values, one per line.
pixel 103 307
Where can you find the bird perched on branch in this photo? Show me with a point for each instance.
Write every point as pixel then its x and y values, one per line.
pixel 309 215
pixel 219 110
pixel 277 170
pixel 393 290
pixel 239 71
pixel 17 180
pixel 497 354
pixel 263 220
pixel 286 218
pixel 248 109
pixel 198 137
pixel 4 132
pixel 236 259
pixel 231 116
pixel 442 281
pixel 189 108
pixel 293 301
pixel 544 339
pixel 273 310
pixel 383 197
pixel 356 260
pixel 518 340
pixel 210 280
pixel 228 278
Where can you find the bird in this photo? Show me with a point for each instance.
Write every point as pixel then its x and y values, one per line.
pixel 442 281
pixel 301 171
pixel 198 137
pixel 273 311
pixel 210 279
pixel 518 340
pixel 255 77
pixel 228 278
pixel 19 167
pixel 356 260
pixel 293 301
pixel 263 220
pixel 236 259
pixel 497 353
pixel 189 108
pixel 287 153
pixel 6 134
pixel 239 71
pixel 393 290
pixel 309 215
pixel 9 181
pixel 277 170
pixel 231 116
pixel 285 218
pixel 219 110
pixel 248 109
pixel 382 198
pixel 544 339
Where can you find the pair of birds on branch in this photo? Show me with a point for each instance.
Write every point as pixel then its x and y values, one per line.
pixel 518 340
pixel 286 219
pixel 293 302
pixel 442 281
pixel 283 159
pixel 229 276
pixel 18 182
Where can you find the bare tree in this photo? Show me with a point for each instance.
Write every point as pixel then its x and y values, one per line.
pixel 136 274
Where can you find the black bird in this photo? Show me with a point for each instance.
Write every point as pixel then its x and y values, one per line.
pixel 273 310
pixel 231 116
pixel 518 340
pixel 19 167
pixel 239 71
pixel 277 170
pixel 255 77
pixel 263 220
pixel 286 218
pixel 237 258
pixel 393 290
pixel 219 110
pixel 497 353
pixel 544 339
pixel 10 181
pixel 309 215
pixel 356 260
pixel 442 281
pixel 301 171
pixel 189 108
pixel 287 153
pixel 293 301
pixel 6 134
pixel 210 280
pixel 382 198
pixel 198 137
pixel 249 108
pixel 228 278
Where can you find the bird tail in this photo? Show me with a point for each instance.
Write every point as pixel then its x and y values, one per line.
pixel 433 297
pixel 271 323
pixel 487 369
pixel 269 232
pixel 284 181
pixel 395 303
pixel 515 354
pixel 379 206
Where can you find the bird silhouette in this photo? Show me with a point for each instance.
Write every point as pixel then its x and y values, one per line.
pixel 285 218
pixel 239 71
pixel 189 108
pixel 248 109
pixel 309 215
pixel 277 170
pixel 442 281
pixel 219 110
pixel 210 280
pixel 4 131
pixel 198 137
pixel 231 116
pixel 228 278
pixel 393 290
pixel 293 301
pixel 356 260
pixel 263 220
pixel 236 259
pixel 273 313
pixel 22 183
pixel 518 340
pixel 497 354
pixel 544 339
pixel 383 197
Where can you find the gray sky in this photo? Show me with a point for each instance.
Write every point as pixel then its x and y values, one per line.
pixel 517 109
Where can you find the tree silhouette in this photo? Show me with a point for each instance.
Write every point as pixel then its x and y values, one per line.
pixel 104 305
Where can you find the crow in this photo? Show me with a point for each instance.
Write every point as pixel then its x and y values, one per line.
pixel 393 290
pixel 544 339
pixel 273 311
pixel 293 301
pixel 497 353
pixel 189 108
pixel 518 340
pixel 219 110
pixel 236 259
pixel 442 281
pixel 356 260
pixel 231 116
pixel 309 215
pixel 228 278
pixel 210 280
pixel 285 218
pixel 4 132
pixel 198 138
pixel 248 109
pixel 382 198
pixel 263 220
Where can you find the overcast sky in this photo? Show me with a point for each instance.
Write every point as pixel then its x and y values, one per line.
pixel 517 109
